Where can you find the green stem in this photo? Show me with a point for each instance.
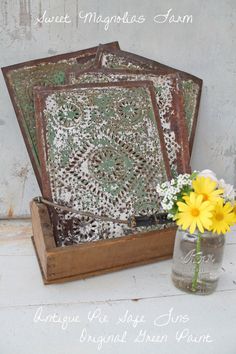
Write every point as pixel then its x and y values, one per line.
pixel 197 262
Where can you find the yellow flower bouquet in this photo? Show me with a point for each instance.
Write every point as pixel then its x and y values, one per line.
pixel 204 208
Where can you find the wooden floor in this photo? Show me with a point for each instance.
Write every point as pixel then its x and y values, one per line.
pixel 132 311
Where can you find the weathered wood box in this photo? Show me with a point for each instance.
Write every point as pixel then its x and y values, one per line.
pixel 60 264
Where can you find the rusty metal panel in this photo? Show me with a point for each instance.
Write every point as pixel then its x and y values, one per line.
pixel 170 104
pixel 101 150
pixel 191 85
pixel 21 78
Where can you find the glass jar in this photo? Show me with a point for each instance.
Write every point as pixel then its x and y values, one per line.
pixel 197 261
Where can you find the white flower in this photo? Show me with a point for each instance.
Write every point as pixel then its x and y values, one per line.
pixel 208 173
pixel 170 190
pixel 229 192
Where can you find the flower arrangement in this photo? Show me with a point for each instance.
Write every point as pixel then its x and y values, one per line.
pixel 199 201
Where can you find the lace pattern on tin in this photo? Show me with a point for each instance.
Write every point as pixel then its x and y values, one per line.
pixel 191 90
pixel 45 74
pixel 165 86
pixel 103 156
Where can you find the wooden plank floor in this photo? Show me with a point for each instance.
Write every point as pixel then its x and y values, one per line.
pixel 132 311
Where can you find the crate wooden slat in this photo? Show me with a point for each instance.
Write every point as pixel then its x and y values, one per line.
pixel 60 264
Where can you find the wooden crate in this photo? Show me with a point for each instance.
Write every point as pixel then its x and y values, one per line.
pixel 60 264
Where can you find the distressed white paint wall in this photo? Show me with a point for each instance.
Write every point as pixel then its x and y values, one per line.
pixel 205 48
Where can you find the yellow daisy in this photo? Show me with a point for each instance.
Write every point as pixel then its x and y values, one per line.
pixel 194 213
pixel 223 217
pixel 206 187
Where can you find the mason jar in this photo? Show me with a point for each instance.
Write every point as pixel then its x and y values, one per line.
pixel 197 261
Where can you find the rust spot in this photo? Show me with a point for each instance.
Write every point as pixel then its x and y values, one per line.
pixel 10 212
